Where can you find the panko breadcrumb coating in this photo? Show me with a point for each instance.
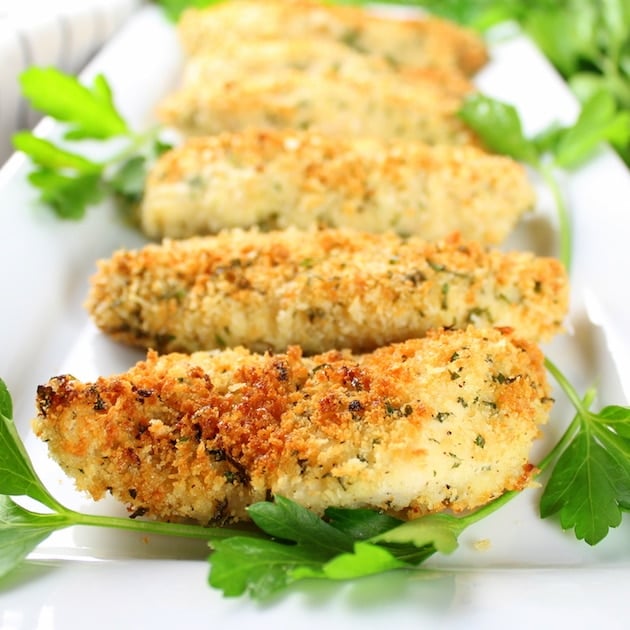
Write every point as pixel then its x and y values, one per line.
pixel 274 179
pixel 321 290
pixel 446 421
pixel 412 42
pixel 272 57
pixel 332 103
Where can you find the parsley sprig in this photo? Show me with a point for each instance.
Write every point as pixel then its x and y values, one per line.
pixel 589 486
pixel 68 181
pixel 499 126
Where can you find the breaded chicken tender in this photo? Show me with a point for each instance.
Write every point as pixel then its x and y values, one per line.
pixel 275 179
pixel 273 58
pixel 446 421
pixel 412 42
pixel 321 290
pixel 332 103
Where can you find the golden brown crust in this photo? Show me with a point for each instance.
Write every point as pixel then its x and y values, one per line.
pixel 411 42
pixel 275 179
pixel 441 422
pixel 232 61
pixel 321 289
pixel 331 103
pixel 339 71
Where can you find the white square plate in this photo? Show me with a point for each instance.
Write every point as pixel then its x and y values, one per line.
pixel 529 572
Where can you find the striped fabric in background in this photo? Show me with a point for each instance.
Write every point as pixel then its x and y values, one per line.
pixel 60 33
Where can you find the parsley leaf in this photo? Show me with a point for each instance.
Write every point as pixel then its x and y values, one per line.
pixel 287 520
pixel 439 531
pixel 22 531
pixel 544 25
pixel 582 490
pixel 499 126
pixel 6 403
pixel 46 154
pixel 68 195
pixel 365 559
pixel 361 524
pixel 69 182
pixel 17 475
pixel 589 486
pixel 598 121
pixel 259 568
pixel 89 111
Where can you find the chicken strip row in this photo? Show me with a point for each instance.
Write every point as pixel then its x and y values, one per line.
pixel 274 179
pixel 320 290
pixel 412 42
pixel 446 421
pixel 332 103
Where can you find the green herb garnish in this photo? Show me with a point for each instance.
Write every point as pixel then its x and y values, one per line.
pixel 174 8
pixel 589 486
pixel 69 182
pixel 499 126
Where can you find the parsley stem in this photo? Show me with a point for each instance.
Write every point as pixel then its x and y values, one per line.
pixel 567 388
pixel 181 530
pixel 488 508
pixel 136 142
pixel 564 223
pixel 561 444
pixel 570 431
pixel 581 406
pixel 47 499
